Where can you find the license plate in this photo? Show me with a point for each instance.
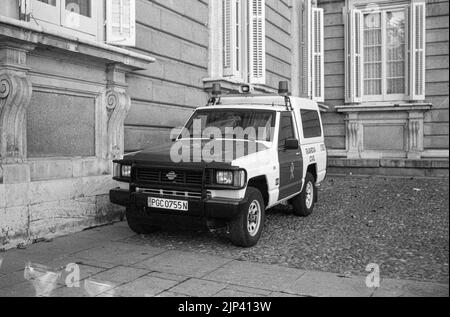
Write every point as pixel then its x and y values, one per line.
pixel 169 204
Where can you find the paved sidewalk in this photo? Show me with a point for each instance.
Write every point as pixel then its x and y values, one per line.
pixel 109 266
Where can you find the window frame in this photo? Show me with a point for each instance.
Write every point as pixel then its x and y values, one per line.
pixel 319 126
pixel 56 17
pixel 88 25
pixel 415 43
pixel 384 96
pixel 290 115
pixel 46 12
pixel 239 37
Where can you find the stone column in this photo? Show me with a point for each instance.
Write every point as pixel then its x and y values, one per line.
pixel 118 104
pixel 15 96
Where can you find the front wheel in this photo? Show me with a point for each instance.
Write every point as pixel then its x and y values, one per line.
pixel 304 203
pixel 246 229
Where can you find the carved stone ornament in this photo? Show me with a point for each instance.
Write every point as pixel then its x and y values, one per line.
pixel 15 96
pixel 118 104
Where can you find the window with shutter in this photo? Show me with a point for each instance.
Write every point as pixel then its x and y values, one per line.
pixel 233 38
pixel 121 22
pixel 244 40
pixel 417 51
pixel 227 37
pixel 257 42
pixel 306 49
pixel 353 60
pixel 318 79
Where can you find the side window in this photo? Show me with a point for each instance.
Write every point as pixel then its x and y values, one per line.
pixel 311 124
pixel 286 129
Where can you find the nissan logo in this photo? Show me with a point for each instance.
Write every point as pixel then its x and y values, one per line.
pixel 171 176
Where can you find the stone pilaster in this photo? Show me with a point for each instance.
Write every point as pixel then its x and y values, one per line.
pixel 415 134
pixel 353 136
pixel 118 104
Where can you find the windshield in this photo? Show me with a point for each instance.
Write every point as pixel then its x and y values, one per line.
pixel 232 124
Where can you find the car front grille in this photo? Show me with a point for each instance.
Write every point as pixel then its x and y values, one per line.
pixel 171 193
pixel 171 177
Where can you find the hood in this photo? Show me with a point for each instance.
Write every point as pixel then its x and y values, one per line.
pixel 221 151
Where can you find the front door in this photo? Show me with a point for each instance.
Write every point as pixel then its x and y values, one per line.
pixel 291 162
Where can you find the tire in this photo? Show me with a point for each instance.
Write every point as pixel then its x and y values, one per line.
pixel 304 203
pixel 136 225
pixel 246 232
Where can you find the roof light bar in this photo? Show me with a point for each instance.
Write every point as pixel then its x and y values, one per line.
pixel 216 90
pixel 216 93
pixel 283 88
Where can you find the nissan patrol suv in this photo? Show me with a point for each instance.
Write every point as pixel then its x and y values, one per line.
pixel 235 158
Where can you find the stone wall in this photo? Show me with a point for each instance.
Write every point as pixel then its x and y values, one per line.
pixel 334 73
pixel 279 42
pixel 436 121
pixel 164 95
pixel 176 32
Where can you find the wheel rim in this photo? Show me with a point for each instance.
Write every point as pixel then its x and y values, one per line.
pixel 309 195
pixel 254 218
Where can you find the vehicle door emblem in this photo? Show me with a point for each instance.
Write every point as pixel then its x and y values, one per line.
pixel 292 171
pixel 171 176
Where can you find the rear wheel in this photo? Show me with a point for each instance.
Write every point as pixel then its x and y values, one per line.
pixel 304 203
pixel 246 229
pixel 136 225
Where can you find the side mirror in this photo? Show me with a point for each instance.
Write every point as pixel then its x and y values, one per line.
pixel 292 144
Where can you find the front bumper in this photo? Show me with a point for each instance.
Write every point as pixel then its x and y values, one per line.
pixel 210 208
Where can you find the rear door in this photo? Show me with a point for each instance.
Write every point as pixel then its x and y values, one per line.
pixel 291 162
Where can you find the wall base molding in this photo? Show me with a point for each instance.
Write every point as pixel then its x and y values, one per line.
pixel 389 167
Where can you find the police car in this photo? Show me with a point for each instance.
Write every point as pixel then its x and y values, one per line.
pixel 235 159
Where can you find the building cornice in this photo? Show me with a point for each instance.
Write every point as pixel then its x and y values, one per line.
pixel 25 32
pixel 385 108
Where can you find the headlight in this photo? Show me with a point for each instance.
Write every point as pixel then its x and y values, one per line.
pixel 231 178
pixel 125 171
pixel 224 177
pixel 121 171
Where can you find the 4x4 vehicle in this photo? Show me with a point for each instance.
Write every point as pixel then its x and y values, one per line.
pixel 229 179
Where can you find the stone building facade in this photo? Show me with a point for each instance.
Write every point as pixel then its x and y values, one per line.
pixel 82 82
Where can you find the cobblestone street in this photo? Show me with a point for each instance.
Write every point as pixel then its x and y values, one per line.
pixel 399 223
pixel 402 225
